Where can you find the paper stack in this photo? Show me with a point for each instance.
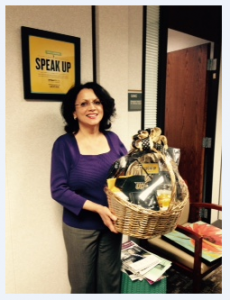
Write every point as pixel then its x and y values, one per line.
pixel 141 264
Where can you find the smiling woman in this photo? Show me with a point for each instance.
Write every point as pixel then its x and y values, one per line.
pixel 81 160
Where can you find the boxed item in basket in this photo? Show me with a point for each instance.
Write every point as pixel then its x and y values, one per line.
pixel 145 190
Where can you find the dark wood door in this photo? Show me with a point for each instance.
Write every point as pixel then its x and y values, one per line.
pixel 185 112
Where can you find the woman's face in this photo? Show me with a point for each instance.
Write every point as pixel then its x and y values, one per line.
pixel 88 108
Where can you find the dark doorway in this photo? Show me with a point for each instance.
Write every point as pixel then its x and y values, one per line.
pixel 204 22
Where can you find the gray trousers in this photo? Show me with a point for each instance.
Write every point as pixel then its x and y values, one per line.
pixel 94 260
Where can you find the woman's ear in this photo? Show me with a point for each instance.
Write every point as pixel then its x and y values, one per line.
pixel 74 116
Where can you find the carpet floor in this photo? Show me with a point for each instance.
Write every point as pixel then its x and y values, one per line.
pixel 178 283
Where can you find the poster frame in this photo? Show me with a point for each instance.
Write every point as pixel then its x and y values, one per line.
pixel 26 32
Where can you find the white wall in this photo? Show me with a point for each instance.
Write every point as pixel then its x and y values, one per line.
pixel 35 253
pixel 119 61
pixel 178 40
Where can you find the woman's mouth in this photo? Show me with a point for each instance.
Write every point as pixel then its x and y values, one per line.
pixel 92 116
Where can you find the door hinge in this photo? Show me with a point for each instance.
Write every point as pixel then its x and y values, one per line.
pixel 212 64
pixel 207 142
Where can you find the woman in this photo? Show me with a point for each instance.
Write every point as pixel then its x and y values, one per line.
pixel 81 160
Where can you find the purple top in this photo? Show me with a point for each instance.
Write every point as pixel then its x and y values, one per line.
pixel 76 178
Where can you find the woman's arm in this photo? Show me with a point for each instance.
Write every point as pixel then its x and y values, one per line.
pixel 60 191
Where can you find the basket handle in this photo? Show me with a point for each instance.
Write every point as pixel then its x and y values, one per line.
pixel 166 161
pixel 150 139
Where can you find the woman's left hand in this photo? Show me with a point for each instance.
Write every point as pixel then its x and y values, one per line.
pixel 107 217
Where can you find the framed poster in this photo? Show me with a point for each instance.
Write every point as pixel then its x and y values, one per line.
pixel 51 64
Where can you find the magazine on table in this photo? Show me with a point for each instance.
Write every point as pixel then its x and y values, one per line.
pixel 136 259
pixel 132 276
pixel 140 264
pixel 155 273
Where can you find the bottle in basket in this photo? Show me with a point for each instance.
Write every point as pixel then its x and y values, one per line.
pixel 164 194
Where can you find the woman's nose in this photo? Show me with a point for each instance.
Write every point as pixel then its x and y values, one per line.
pixel 92 106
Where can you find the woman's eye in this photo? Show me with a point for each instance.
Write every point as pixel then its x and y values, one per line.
pixel 97 102
pixel 84 104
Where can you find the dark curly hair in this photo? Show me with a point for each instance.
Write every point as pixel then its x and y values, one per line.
pixel 68 106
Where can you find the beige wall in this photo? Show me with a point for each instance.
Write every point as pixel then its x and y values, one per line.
pixel 35 253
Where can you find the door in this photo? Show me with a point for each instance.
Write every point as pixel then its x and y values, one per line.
pixel 186 112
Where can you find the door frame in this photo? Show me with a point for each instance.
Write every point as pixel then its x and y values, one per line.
pixel 213 87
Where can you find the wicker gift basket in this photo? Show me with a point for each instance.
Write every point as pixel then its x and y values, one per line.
pixel 140 222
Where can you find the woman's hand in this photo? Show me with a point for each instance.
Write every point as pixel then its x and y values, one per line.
pixel 107 217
